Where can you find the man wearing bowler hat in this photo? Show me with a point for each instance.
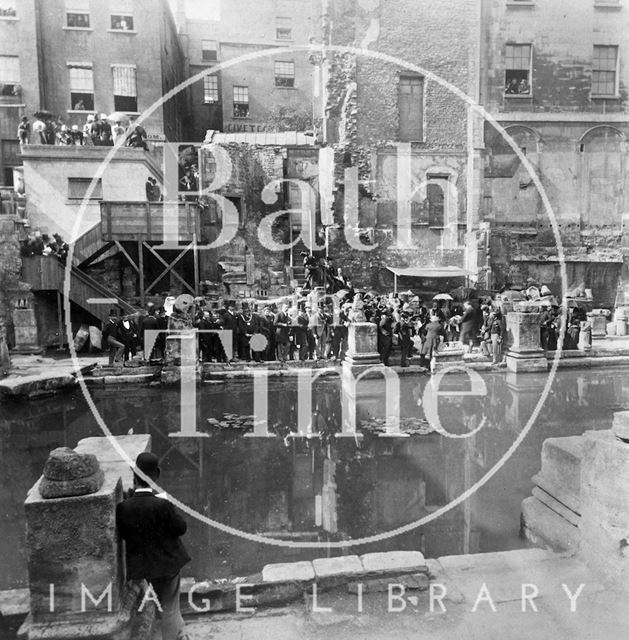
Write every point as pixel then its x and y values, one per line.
pixel 151 529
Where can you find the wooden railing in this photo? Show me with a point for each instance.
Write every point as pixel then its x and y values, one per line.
pixel 46 273
pixel 145 221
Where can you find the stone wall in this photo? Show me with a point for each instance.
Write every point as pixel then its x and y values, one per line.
pixel 363 126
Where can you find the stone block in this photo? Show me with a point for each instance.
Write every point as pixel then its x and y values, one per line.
pixel 129 379
pixel 73 544
pixel 557 506
pixel 70 542
pixel 533 363
pixel 604 498
pixel 110 458
pixel 288 572
pixel 394 561
pixel 561 469
pixel 523 330
pixel 362 341
pixel 544 527
pixel 335 567
pixel 37 384
pixel 413 581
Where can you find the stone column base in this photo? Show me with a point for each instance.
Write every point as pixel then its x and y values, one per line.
pixel 128 623
pixel 355 366
pixel 521 362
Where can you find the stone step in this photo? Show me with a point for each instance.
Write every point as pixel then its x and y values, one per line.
pixel 544 527
pixel 561 469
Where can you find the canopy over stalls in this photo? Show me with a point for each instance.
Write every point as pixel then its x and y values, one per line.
pixel 434 279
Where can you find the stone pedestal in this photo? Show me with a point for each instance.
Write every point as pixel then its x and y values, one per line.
pixel 599 325
pixel 525 353
pixel 362 348
pixel 449 354
pixel 24 322
pixel 72 544
pixel 26 336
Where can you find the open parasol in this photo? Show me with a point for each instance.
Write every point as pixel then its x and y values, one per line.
pixel 443 296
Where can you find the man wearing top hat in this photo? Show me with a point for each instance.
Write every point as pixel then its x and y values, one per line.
pixel 152 530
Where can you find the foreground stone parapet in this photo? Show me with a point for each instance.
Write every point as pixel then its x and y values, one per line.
pixel 72 544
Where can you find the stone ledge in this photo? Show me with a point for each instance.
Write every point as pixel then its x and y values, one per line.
pixel 394 561
pixel 129 379
pixel 288 571
pixel 37 385
pixel 339 566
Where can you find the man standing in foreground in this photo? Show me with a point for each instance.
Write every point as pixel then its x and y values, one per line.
pixel 151 529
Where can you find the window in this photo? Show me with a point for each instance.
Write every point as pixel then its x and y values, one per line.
pixel 411 108
pixel 125 92
pixel 283 28
pixel 604 67
pixel 284 74
pixel 81 87
pixel 518 69
pixel 7 9
pixel 122 22
pixel 77 20
pixel 241 102
pixel 209 50
pixel 436 205
pixel 210 89
pixel 78 188
pixel 11 153
pixel 9 75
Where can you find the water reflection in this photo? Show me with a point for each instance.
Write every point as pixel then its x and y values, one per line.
pixel 319 489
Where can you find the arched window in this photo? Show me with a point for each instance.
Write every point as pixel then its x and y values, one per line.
pixel 603 180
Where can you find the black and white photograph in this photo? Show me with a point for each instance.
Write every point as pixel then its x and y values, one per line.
pixel 314 319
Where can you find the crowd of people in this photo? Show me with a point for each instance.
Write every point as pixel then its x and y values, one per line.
pixel 41 244
pixel 315 326
pixel 98 130
pixel 307 328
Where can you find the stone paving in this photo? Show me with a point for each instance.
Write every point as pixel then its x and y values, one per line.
pixel 599 614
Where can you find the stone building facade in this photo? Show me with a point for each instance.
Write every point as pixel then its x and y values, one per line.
pixel 106 56
pixel 568 112
pixel 269 93
pixel 19 80
pixel 405 146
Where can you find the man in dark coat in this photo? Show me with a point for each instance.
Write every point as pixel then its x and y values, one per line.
pixel 151 529
pixel 229 322
pixel 405 335
pixel 110 338
pixel 385 333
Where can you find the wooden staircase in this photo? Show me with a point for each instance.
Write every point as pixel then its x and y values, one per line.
pixel 47 273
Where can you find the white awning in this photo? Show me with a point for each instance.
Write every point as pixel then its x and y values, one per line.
pixel 262 138
pixel 428 272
